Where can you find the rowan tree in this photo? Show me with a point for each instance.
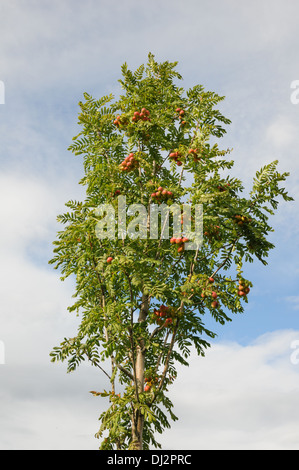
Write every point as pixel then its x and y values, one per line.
pixel 142 300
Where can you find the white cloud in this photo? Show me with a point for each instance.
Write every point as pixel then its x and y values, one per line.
pixel 24 210
pixel 43 408
pixel 55 41
pixel 294 300
pixel 282 133
pixel 32 298
pixel 239 397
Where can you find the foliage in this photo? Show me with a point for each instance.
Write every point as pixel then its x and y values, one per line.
pixel 171 137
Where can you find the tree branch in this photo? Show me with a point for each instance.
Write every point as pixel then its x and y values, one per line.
pixel 166 366
pixel 122 369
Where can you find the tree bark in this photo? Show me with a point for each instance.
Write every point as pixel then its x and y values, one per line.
pixel 137 431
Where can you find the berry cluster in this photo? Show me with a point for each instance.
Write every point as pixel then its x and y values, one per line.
pixel 194 152
pixel 177 157
pixel 180 242
pixel 243 288
pixel 215 302
pixel 163 315
pixel 129 163
pixel 120 120
pixel 210 292
pixel 143 115
pixel 213 232
pixel 149 382
pixel 161 195
pixel 181 114
pixel 223 188
pixel 241 219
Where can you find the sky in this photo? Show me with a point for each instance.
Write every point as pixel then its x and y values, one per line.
pixel 244 394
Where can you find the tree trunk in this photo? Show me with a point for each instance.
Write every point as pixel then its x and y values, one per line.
pixel 138 418
pixel 137 431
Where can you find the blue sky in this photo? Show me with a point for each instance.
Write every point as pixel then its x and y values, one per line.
pixel 51 53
